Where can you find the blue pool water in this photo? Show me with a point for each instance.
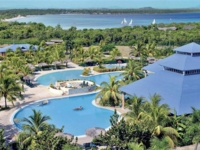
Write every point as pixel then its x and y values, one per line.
pixel 114 66
pixel 74 122
pixel 61 109
pixel 73 74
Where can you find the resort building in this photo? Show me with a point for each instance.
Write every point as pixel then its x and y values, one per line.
pixel 13 47
pixel 189 27
pixel 176 79
pixel 52 42
pixel 167 28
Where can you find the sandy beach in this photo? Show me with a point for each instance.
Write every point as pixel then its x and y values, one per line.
pixel 13 19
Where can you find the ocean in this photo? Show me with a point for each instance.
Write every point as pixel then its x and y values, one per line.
pixel 103 21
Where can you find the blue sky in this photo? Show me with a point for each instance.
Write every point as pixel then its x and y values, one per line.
pixel 98 3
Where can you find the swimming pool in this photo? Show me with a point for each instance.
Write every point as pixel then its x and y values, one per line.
pixel 61 109
pixel 62 114
pixel 47 79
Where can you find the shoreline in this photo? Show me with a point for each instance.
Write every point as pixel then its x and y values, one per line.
pixel 13 19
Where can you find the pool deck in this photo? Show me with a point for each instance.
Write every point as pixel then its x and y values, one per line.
pixel 32 95
pixel 42 92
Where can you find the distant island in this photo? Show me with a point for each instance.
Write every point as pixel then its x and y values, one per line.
pixel 12 13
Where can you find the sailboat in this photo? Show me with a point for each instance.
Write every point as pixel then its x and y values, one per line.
pixel 124 21
pixel 154 21
pixel 130 23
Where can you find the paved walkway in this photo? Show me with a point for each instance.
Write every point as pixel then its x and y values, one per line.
pixel 31 95
pixel 42 92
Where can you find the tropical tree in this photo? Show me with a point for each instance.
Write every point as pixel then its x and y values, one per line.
pixel 194 128
pixel 34 125
pixel 93 53
pixel 109 94
pixel 161 144
pixel 10 88
pixel 114 53
pixel 157 113
pixel 167 133
pixel 138 49
pixel 150 48
pixel 122 135
pixel 136 109
pixel 157 118
pixel 3 141
pixel 132 72
pixel 135 146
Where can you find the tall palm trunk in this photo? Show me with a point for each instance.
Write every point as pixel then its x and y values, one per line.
pixel 5 102
pixel 196 146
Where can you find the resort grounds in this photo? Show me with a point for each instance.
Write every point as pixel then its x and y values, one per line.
pixel 31 95
pixel 41 92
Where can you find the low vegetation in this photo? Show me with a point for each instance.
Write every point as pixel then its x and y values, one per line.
pixel 86 71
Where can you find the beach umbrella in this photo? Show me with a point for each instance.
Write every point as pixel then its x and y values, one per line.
pixel 29 77
pixel 42 64
pixel 56 63
pixel 66 61
pixel 66 135
pixel 150 59
pixel 32 67
pixel 88 60
pixel 118 58
pixel 96 131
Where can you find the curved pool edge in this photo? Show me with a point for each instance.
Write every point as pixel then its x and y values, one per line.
pixel 112 109
pixel 52 71
pixel 79 136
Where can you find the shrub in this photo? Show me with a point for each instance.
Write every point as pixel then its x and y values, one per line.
pixel 97 69
pixel 86 71
pixel 52 86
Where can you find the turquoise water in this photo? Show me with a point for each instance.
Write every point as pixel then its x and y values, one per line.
pixel 61 109
pixel 72 74
pixel 103 21
pixel 10 4
pixel 62 114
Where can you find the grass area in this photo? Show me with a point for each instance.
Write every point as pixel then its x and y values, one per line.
pixel 125 50
pixel 3 45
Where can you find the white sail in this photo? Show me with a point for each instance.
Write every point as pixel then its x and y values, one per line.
pixel 122 22
pixel 154 21
pixel 125 22
pixel 130 23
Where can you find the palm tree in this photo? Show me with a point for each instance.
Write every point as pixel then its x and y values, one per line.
pixel 168 133
pixel 132 72
pixel 137 50
pixel 58 52
pixel 17 63
pixel 25 70
pixel 161 144
pixel 33 126
pixel 109 94
pixel 114 53
pixel 93 52
pixel 10 87
pixel 157 117
pixel 136 108
pixel 194 129
pixel 156 113
pixel 135 146
pixel 149 48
